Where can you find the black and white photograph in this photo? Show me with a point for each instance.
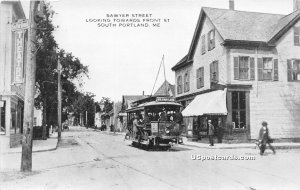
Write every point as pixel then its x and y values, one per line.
pixel 149 94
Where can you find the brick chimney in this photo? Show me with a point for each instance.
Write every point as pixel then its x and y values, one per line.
pixel 231 4
pixel 296 5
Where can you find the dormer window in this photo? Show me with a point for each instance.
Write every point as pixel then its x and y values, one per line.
pixel 297 36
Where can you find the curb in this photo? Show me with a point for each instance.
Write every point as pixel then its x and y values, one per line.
pixel 206 146
pixel 279 147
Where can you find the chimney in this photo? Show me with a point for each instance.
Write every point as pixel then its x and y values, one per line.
pixel 143 93
pixel 231 4
pixel 296 5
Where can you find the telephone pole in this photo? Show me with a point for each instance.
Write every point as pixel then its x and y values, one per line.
pixel 26 162
pixel 59 99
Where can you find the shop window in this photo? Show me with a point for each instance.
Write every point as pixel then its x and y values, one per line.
pixel 179 85
pixel 239 110
pixel 200 77
pixel 293 70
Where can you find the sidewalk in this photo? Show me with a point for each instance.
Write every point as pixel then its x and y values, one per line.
pixel 37 146
pixel 281 145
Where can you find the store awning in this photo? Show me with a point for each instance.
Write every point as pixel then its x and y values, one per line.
pixel 212 103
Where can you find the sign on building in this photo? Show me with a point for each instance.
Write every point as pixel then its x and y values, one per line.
pixel 20 25
pixel 19 56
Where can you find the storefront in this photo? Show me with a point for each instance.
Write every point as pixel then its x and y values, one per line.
pixel 204 107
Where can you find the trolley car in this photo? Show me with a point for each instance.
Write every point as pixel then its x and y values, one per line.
pixel 154 122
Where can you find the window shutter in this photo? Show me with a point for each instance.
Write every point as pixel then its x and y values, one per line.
pixel 202 77
pixel 297 36
pixel 236 68
pixel 260 69
pixel 188 81
pixel 217 70
pixel 275 77
pixel 213 39
pixel 208 41
pixel 203 44
pixel 289 70
pixel 211 71
pixel 252 68
pixel 198 78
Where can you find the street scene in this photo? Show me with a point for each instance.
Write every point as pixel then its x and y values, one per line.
pixel 130 94
pixel 83 160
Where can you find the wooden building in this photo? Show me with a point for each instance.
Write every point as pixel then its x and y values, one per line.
pixel 255 59
pixel 12 76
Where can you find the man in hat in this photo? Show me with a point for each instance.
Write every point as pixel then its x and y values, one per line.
pixel 264 138
pixel 211 131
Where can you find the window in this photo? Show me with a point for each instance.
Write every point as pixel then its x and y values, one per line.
pixel 200 77
pixel 203 44
pixel 34 121
pixel 239 110
pixel 294 70
pixel 214 72
pixel 186 82
pixel 179 85
pixel 267 69
pixel 244 68
pixel 211 39
pixel 297 36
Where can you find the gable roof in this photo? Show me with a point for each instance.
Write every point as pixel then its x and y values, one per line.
pixel 166 89
pixel 240 27
pixel 128 99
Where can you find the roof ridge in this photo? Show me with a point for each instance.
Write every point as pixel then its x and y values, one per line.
pixel 247 11
pixel 298 10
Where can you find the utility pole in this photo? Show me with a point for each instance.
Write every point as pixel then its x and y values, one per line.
pixel 26 162
pixel 86 121
pixel 59 99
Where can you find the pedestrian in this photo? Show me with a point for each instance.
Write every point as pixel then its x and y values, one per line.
pixel 220 133
pixel 211 131
pixel 135 125
pixel 264 138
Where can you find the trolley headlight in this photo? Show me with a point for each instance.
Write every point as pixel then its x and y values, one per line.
pixel 167 131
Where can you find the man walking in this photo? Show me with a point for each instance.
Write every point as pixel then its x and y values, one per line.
pixel 211 131
pixel 264 138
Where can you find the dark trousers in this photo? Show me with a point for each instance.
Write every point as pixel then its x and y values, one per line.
pixel 211 140
pixel 264 146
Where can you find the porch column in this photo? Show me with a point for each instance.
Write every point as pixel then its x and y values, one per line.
pixel 248 114
pixel 7 117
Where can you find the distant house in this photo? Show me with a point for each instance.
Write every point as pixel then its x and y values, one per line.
pixel 166 89
pixel 242 68
pixel 127 101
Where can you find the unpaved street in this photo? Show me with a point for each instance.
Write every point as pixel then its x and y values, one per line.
pixel 88 159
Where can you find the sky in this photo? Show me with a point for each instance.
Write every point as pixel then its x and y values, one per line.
pixel 125 60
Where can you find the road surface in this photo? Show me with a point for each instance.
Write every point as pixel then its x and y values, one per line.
pixel 89 159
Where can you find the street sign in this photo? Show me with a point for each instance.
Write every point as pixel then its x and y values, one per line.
pixel 22 24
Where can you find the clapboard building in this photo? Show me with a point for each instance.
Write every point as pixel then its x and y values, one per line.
pixel 254 58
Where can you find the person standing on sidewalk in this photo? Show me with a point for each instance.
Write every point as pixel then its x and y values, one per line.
pixel 264 138
pixel 211 131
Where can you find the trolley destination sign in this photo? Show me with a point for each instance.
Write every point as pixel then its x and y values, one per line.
pixel 22 24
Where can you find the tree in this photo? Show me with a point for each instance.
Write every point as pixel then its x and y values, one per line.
pixel 46 77
pixel 84 103
pixel 108 104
